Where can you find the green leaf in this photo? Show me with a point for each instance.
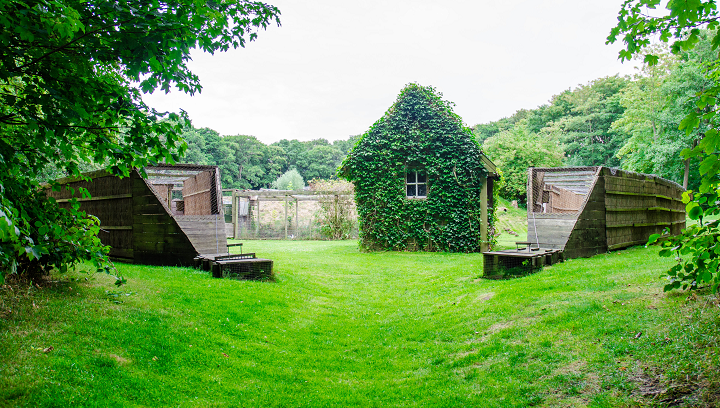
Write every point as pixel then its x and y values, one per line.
pixel 695 213
pixel 651 59
pixel 709 163
pixel 706 276
pixel 710 142
pixel 689 124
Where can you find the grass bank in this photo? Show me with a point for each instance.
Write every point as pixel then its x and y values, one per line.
pixel 344 328
pixel 511 225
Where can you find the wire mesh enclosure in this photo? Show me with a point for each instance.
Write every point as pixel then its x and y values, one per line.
pixel 187 189
pixel 556 197
pixel 249 268
pixel 513 264
pixel 302 214
pixel 192 194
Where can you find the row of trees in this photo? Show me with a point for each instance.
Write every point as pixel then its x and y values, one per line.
pixel 631 123
pixel 247 163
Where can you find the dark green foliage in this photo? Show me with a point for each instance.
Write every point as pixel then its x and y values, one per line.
pixel 514 151
pixel 419 131
pixel 697 249
pixel 38 236
pixel 585 130
pixel 656 103
pixel 534 120
pixel 683 22
pixel 247 163
pixel 71 77
pixel 573 129
pixel 320 161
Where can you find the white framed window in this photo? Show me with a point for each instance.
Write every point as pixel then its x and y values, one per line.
pixel 415 183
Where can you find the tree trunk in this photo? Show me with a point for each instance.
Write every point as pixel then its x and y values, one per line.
pixel 686 175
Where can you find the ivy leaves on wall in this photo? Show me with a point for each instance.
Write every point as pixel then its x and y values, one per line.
pixel 419 131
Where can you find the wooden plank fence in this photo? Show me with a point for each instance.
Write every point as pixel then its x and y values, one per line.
pixel 136 218
pixel 620 209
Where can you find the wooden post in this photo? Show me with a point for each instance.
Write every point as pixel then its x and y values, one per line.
pixel 257 225
pixel 297 220
pixel 285 223
pixel 336 217
pixel 484 246
pixel 235 207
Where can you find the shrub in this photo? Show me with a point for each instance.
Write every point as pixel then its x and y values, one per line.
pixel 337 217
pixel 514 151
pixel 290 180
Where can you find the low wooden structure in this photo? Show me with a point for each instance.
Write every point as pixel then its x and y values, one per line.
pixel 590 210
pixel 584 211
pixel 517 262
pixel 167 218
pixel 236 266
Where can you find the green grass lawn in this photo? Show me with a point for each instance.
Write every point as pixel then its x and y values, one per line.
pixel 344 328
pixel 511 225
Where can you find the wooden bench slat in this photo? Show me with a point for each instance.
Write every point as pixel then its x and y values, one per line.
pixel 235 256
pixel 239 261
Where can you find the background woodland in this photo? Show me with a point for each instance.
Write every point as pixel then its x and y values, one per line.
pixel 626 122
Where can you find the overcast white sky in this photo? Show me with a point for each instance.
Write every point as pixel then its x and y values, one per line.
pixel 335 66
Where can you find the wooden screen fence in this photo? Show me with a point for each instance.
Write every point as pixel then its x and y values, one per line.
pixel 165 219
pixel 577 212
pixel 589 210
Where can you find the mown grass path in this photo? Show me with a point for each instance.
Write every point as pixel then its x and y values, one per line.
pixel 344 328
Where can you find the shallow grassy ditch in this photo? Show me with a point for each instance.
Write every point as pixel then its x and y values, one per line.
pixel 344 328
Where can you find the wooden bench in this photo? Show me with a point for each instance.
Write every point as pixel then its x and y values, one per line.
pixel 525 245
pixel 234 245
pixel 204 261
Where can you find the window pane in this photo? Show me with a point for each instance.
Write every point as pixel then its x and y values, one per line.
pixel 410 176
pixel 422 190
pixel 420 178
pixel 410 190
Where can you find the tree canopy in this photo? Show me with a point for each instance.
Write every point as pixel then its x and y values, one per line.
pixel 247 163
pixel 71 78
pixel 514 151
pixel 573 129
pixel 627 122
pixel 682 25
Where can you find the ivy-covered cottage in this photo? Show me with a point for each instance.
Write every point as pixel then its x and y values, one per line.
pixel 421 180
